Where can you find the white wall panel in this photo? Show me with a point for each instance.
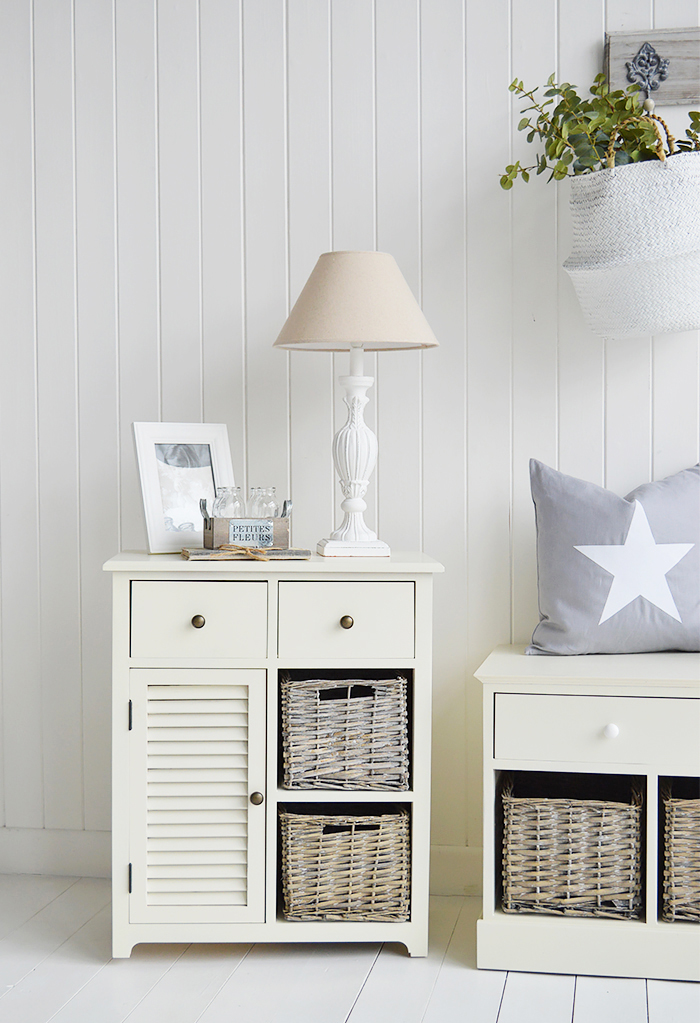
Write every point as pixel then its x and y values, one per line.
pixel 19 526
pixel 223 356
pixel 172 170
pixel 98 397
pixel 399 380
pixel 59 565
pixel 443 205
pixel 265 217
pixel 581 363
pixel 137 248
pixel 179 161
pixel 311 383
pixel 489 367
pixel 535 276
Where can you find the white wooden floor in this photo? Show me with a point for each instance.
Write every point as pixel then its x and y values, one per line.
pixel 55 965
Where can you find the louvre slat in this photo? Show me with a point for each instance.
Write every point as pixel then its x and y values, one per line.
pixel 197 781
pixel 196 884
pixel 204 829
pixel 204 692
pixel 196 761
pixel 175 804
pixel 196 870
pixel 224 719
pixel 193 734
pixel 157 818
pixel 198 775
pixel 197 899
pixel 197 706
pixel 227 845
pixel 189 856
pixel 235 747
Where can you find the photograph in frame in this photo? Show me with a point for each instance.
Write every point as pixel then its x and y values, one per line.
pixel 179 464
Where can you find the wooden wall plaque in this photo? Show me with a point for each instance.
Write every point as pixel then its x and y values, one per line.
pixel 672 69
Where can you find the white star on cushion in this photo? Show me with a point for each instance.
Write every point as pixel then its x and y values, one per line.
pixel 638 567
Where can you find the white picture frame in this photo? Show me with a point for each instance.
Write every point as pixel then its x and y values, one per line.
pixel 178 464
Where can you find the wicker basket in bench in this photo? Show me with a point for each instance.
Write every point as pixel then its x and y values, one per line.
pixel 344 734
pixel 346 866
pixel 681 886
pixel 571 857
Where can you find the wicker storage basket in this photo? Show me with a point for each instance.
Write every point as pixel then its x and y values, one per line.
pixel 350 866
pixel 571 857
pixel 681 888
pixel 344 734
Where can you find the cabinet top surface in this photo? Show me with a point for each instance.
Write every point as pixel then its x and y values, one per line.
pixel 511 664
pixel 401 563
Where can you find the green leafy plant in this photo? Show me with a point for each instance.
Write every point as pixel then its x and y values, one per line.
pixel 584 135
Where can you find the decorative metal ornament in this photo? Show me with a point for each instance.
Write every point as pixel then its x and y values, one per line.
pixel 648 69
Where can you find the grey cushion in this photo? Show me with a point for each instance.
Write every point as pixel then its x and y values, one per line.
pixel 616 575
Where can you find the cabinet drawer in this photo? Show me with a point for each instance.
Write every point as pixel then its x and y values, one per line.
pixel 573 728
pixel 234 613
pixel 382 613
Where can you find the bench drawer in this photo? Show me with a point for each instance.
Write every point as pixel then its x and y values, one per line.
pixel 598 729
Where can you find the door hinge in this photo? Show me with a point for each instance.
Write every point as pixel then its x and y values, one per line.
pixel 129 879
pixel 131 715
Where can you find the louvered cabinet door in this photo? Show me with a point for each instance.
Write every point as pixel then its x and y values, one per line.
pixel 197 754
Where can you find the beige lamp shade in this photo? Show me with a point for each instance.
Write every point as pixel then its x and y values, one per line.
pixel 356 298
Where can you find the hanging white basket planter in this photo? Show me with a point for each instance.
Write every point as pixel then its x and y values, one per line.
pixel 635 262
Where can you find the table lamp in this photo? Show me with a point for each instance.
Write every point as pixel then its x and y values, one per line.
pixel 355 301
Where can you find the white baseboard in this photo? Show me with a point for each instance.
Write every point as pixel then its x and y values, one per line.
pixel 455 870
pixel 64 853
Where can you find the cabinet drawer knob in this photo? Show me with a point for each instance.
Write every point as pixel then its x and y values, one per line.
pixel 347 622
pixel 256 798
pixel 199 622
pixel 611 731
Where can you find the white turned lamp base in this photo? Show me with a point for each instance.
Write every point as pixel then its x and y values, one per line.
pixel 353 548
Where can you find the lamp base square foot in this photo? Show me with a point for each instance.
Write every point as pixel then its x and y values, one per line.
pixel 353 549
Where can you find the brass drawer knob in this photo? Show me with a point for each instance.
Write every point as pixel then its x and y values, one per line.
pixel 199 622
pixel 256 798
pixel 347 622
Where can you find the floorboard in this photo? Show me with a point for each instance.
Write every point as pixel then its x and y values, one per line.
pixel 44 991
pixel 23 895
pixel 190 985
pixel 295 984
pixel 610 1000
pixel 537 998
pixel 28 945
pixel 399 988
pixel 673 1001
pixel 462 992
pixel 115 990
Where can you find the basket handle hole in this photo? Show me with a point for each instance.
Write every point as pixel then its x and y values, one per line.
pixel 336 829
pixel 345 693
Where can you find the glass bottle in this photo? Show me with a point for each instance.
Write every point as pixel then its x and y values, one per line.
pixel 254 502
pixel 269 507
pixel 228 503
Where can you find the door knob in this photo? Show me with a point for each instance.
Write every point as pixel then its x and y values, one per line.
pixel 347 622
pixel 256 798
pixel 199 622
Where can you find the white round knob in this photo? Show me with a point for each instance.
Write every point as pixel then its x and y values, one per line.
pixel 611 731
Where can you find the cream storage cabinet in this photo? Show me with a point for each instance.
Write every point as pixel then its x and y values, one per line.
pixel 199 649
pixel 588 727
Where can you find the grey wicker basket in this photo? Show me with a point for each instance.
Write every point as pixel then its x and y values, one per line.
pixel 681 883
pixel 572 857
pixel 345 734
pixel 346 866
